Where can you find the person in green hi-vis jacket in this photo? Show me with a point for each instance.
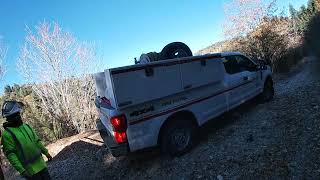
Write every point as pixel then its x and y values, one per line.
pixel 1 172
pixel 22 146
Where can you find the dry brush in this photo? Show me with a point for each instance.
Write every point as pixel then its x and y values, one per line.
pixel 59 67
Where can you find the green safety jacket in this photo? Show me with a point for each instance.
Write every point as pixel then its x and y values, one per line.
pixel 24 149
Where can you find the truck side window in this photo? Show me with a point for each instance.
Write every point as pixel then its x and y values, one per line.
pixel 231 65
pixel 245 64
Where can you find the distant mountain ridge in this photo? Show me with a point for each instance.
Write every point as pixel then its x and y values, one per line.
pixel 222 46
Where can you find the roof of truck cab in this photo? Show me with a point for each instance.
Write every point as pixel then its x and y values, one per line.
pixel 224 54
pixel 169 62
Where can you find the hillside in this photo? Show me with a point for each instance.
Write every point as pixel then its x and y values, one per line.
pixel 215 48
pixel 222 46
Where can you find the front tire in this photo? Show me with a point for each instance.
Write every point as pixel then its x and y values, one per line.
pixel 178 137
pixel 268 91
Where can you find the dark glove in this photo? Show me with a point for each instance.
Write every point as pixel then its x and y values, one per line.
pixel 49 157
pixel 25 174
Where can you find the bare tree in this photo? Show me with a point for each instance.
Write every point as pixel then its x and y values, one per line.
pixel 59 67
pixel 269 41
pixel 243 16
pixel 3 52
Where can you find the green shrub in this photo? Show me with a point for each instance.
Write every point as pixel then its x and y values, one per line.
pixel 291 57
pixel 312 37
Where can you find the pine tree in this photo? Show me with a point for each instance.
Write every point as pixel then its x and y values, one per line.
pixel 304 16
pixel 7 89
pixel 293 11
pixel 294 17
pixel 311 5
pixel 314 6
pixel 317 5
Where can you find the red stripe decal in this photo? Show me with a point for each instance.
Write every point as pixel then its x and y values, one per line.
pixel 185 105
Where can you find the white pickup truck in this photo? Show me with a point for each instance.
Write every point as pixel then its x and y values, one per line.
pixel 164 102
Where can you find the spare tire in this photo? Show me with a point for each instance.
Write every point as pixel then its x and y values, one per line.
pixel 175 50
pixel 154 56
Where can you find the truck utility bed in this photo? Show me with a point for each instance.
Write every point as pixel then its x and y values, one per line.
pixel 132 85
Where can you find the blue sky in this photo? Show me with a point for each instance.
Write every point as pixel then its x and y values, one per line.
pixel 121 29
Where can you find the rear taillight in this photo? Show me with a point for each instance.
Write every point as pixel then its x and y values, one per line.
pixel 119 124
pixel 120 137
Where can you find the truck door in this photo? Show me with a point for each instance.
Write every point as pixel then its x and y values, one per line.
pixel 251 76
pixel 206 79
pixel 241 79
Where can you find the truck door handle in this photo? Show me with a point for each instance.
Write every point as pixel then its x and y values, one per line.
pixel 246 78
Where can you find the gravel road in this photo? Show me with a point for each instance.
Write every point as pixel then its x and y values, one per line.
pixel 275 140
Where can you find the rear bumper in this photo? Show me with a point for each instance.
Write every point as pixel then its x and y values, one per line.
pixel 115 149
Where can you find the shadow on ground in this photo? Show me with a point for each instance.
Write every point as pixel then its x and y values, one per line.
pixel 226 119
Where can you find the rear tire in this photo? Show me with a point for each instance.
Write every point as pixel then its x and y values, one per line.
pixel 268 91
pixel 178 137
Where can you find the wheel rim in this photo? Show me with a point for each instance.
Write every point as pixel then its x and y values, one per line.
pixel 180 138
pixel 178 53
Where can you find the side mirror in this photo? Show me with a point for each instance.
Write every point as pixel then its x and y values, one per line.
pixel 261 62
pixel 21 104
pixel 261 67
